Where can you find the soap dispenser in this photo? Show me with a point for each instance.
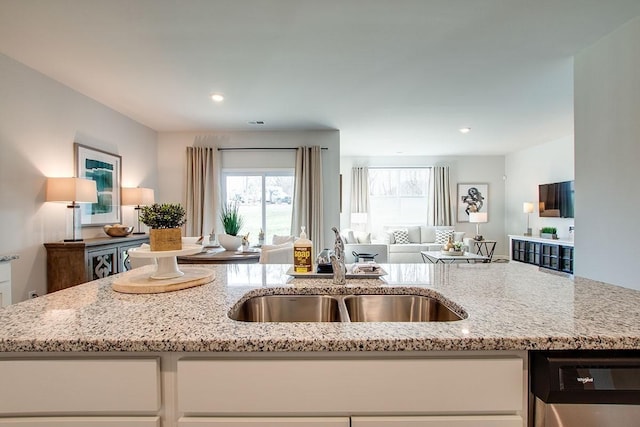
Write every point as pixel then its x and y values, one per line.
pixel 302 250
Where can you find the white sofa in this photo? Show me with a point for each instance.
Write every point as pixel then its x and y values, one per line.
pixel 420 238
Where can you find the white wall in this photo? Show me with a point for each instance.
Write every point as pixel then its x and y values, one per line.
pixel 40 119
pixel 172 161
pixel 526 169
pixel 462 169
pixel 607 128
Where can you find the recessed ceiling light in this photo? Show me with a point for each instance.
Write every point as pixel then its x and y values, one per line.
pixel 464 130
pixel 217 97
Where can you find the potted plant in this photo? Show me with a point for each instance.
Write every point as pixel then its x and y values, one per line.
pixel 165 221
pixel 232 222
pixel 548 233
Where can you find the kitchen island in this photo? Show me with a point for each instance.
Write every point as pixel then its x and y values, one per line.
pixel 93 355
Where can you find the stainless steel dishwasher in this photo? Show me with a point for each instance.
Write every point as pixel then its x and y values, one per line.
pixel 585 388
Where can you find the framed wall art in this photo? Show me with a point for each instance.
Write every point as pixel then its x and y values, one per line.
pixel 105 169
pixel 472 198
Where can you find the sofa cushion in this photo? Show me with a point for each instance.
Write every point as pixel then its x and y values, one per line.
pixel 362 237
pixel 427 234
pixel 401 237
pixel 442 235
pixel 279 240
pixel 458 236
pixel 414 233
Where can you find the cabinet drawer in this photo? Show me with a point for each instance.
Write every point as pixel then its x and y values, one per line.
pixel 47 386
pixel 408 386
pixel 442 421
pixel 82 422
pixel 264 422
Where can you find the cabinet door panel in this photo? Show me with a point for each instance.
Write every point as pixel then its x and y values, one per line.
pixel 82 422
pixel 264 422
pixel 75 386
pixel 292 387
pixel 441 421
pixel 102 263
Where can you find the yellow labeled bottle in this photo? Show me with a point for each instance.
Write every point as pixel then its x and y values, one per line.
pixel 302 250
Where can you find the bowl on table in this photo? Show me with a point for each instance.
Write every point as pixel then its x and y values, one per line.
pixel 117 230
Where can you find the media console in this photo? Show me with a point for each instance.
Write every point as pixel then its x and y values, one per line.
pixel 546 253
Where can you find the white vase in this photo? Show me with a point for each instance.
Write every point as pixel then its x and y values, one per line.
pixel 229 242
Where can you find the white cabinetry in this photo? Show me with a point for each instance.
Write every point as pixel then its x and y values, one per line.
pixel 486 390
pixel 88 392
pixel 439 421
pixel 265 422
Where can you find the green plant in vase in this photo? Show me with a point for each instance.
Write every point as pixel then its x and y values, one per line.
pixel 232 222
pixel 165 221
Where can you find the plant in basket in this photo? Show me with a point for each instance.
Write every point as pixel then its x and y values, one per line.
pixel 165 221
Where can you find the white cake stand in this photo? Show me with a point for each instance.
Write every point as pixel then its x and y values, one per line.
pixel 167 260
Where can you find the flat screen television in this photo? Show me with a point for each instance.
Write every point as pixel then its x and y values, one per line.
pixel 556 200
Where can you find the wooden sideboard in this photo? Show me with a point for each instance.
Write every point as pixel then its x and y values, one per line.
pixel 546 253
pixel 72 263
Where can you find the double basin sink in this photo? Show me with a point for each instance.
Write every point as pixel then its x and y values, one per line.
pixel 343 308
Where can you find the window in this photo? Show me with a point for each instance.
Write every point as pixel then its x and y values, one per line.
pixel 264 199
pixel 398 196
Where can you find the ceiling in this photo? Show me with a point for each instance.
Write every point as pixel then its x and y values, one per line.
pixel 396 77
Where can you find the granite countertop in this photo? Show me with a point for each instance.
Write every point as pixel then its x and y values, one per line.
pixel 510 306
pixel 5 258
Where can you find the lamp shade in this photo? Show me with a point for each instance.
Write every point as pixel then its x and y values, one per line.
pixel 527 207
pixel 137 196
pixel 79 190
pixel 477 217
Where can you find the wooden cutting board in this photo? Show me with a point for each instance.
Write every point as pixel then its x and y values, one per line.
pixel 141 283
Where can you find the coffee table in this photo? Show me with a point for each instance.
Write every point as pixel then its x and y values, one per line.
pixel 437 257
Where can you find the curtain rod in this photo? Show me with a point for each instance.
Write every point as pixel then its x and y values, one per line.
pixel 261 148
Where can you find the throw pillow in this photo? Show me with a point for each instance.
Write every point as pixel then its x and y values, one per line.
pixel 278 240
pixel 442 236
pixel 362 237
pixel 401 237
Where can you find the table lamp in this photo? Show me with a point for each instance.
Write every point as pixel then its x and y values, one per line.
pixel 72 191
pixel 527 207
pixel 477 218
pixel 137 197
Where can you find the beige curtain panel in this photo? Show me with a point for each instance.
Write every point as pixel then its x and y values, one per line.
pixel 307 198
pixel 202 183
pixel 360 190
pixel 440 212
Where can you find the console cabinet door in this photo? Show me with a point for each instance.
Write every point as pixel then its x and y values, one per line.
pixel 440 421
pixel 264 422
pixel 102 263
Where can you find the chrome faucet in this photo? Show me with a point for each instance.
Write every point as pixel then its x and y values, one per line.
pixel 337 260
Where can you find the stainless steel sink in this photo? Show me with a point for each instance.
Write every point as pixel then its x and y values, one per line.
pixel 343 308
pixel 397 308
pixel 288 308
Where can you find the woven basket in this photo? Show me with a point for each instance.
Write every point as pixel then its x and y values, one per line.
pixel 165 239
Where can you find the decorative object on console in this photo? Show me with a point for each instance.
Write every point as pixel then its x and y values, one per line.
pixel 165 221
pixel 478 218
pixel 472 198
pixel 105 169
pixel 117 230
pixel 548 233
pixel 137 197
pixel 74 190
pixel 232 222
pixel 527 207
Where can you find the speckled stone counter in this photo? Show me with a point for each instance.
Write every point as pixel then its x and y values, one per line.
pixel 508 307
pixel 5 258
